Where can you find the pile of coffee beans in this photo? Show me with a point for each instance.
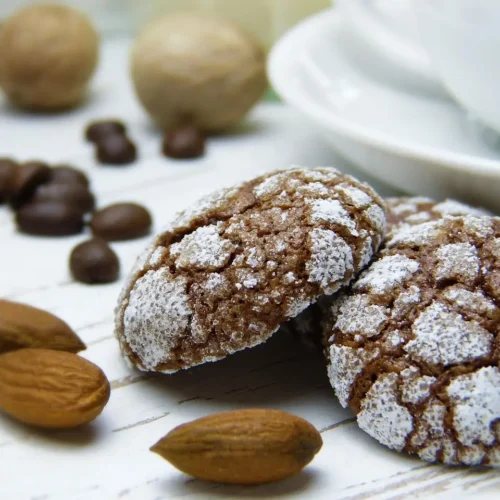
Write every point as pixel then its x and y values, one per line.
pixel 47 201
pixel 56 201
pixel 184 142
pixel 112 145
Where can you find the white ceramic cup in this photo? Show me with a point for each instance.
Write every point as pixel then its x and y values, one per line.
pixel 388 31
pixel 462 38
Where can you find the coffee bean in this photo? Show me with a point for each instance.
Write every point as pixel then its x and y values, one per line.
pixel 116 150
pixel 97 130
pixel 66 174
pixel 26 179
pixel 7 172
pixel 76 195
pixel 121 221
pixel 50 218
pixel 184 142
pixel 93 261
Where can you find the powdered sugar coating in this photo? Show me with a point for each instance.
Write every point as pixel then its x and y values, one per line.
pixel 346 363
pixel 480 227
pixel 331 260
pixel 430 370
pixel 382 416
pixel 416 210
pixel 453 207
pixel 472 302
pixel 332 211
pixel 156 316
pixel 386 273
pixel 359 314
pixel 209 202
pixel 406 301
pixel 475 399
pixel 457 261
pixel 444 337
pixel 356 196
pixel 415 235
pixel 415 388
pixel 376 215
pixel 249 258
pixel 202 249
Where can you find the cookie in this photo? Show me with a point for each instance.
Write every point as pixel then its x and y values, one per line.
pixel 413 347
pixel 417 209
pixel 226 273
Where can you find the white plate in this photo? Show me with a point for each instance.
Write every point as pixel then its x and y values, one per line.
pixel 388 30
pixel 416 143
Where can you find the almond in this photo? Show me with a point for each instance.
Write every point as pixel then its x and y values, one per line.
pixel 53 389
pixel 241 447
pixel 25 326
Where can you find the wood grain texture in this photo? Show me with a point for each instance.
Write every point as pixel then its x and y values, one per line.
pixel 110 458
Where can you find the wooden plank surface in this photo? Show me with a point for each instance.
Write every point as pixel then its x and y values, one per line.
pixel 110 458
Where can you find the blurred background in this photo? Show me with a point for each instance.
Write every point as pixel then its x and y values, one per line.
pixel 266 19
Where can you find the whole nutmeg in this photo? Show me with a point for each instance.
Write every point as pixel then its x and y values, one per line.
pixel 197 67
pixel 49 53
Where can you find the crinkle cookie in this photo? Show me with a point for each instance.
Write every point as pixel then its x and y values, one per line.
pixel 417 209
pixel 414 346
pixel 226 273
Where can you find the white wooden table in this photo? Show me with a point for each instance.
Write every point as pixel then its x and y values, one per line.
pixel 109 459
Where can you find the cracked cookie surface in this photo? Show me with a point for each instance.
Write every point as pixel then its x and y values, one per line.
pixel 404 211
pixel 413 347
pixel 227 272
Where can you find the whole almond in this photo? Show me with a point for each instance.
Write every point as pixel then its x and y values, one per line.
pixel 53 389
pixel 241 447
pixel 25 326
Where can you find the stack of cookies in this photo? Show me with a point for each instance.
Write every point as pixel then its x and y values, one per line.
pixel 408 314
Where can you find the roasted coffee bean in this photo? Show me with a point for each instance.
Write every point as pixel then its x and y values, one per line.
pixel 184 142
pixel 93 261
pixel 66 174
pixel 116 150
pixel 49 218
pixel 77 195
pixel 7 172
pixel 27 178
pixel 97 130
pixel 121 221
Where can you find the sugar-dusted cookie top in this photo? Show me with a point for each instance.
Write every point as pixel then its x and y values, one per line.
pixel 417 209
pixel 228 271
pixel 414 346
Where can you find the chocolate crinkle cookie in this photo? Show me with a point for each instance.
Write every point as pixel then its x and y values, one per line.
pixel 226 273
pixel 417 209
pixel 413 347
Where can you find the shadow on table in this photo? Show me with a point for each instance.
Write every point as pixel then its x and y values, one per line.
pixel 84 435
pixel 180 486
pixel 248 126
pixel 281 373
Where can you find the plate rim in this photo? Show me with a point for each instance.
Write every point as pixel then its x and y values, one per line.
pixel 284 54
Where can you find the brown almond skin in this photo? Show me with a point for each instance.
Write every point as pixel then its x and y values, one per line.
pixel 252 446
pixel 51 389
pixel 25 326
